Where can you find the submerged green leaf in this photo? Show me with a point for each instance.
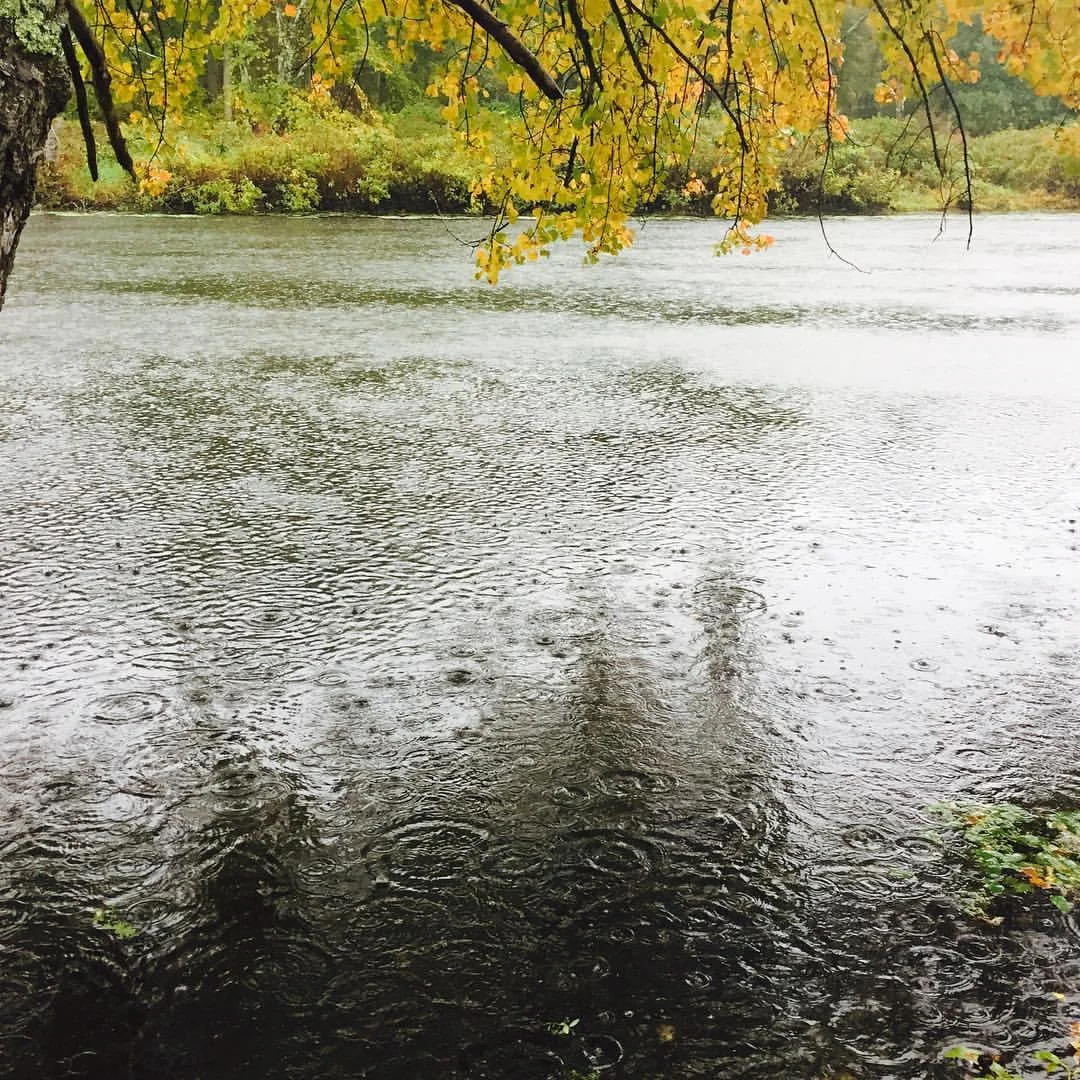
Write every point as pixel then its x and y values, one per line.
pixel 109 920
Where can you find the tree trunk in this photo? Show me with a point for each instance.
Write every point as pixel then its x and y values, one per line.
pixel 33 89
pixel 226 82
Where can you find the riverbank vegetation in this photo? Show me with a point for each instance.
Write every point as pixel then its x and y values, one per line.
pixel 1017 852
pixel 317 157
pixel 562 120
pixel 1011 859
pixel 982 1065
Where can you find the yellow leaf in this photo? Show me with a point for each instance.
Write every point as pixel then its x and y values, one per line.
pixel 1038 877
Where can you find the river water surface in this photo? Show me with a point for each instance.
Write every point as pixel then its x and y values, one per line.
pixel 416 666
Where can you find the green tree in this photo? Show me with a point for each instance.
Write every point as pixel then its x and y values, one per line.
pixel 999 99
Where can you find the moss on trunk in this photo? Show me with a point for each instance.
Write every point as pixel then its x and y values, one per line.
pixel 34 87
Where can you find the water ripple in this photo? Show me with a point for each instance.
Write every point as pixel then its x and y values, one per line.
pixel 586 649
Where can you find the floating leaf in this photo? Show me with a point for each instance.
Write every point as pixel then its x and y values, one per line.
pixel 961 1053
pixel 109 920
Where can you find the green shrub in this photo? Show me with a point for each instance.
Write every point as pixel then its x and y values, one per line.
pixel 300 192
pixel 1039 158
pixel 224 196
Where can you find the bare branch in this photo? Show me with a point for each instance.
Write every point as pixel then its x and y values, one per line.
pixel 512 46
pixel 80 101
pixel 963 134
pixel 100 74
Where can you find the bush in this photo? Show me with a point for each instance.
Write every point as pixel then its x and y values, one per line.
pixel 223 196
pixel 1039 158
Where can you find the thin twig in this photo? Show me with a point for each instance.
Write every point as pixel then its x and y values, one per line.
pixel 963 134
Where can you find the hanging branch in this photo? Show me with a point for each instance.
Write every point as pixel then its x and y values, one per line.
pixel 634 57
pixel 700 72
pixel 512 46
pixel 482 62
pixel 80 102
pixel 140 30
pixel 963 134
pixel 465 72
pixel 331 23
pixel 100 75
pixel 828 138
pixel 729 42
pixel 571 161
pixel 138 67
pixel 586 45
pixel 918 79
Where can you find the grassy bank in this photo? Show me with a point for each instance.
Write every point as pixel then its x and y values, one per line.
pixel 298 159
pixel 307 155
pixel 888 165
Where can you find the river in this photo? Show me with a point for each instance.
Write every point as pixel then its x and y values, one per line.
pixel 454 682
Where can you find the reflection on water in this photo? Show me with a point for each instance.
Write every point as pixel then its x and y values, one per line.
pixel 419 667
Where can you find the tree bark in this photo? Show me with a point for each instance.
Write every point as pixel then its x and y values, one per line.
pixel 33 89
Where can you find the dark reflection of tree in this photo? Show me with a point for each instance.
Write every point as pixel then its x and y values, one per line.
pixel 631 869
pixel 659 899
pixel 737 410
pixel 649 890
pixel 68 1004
pixel 232 988
pixel 223 983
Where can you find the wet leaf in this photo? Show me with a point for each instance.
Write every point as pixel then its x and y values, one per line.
pixel 1049 1059
pixel 109 920
pixel 961 1053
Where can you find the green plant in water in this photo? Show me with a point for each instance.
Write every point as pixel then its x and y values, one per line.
pixel 109 920
pixel 1018 852
pixel 566 1029
pixel 563 1027
pixel 1067 1067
